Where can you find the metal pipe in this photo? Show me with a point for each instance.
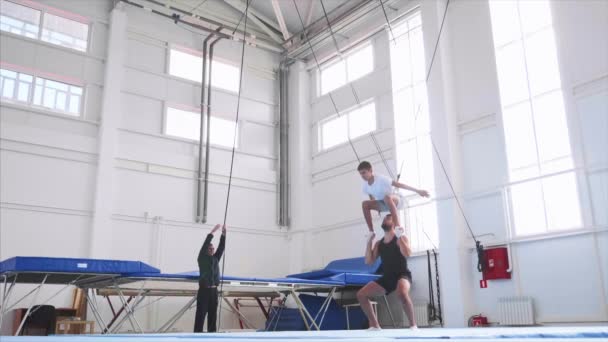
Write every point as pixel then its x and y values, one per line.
pixel 259 42
pixel 208 139
pixel 283 145
pixel 204 107
pixel 175 18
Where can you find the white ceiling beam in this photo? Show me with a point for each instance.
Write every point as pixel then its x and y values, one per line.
pixel 242 8
pixel 269 21
pixel 309 15
pixel 265 44
pixel 280 19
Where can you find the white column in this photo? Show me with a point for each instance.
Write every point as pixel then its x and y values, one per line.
pixel 454 254
pixel 101 230
pixel 300 168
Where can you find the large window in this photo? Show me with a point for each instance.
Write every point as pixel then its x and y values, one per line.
pixel 186 124
pixel 19 19
pixel 534 118
pixel 65 32
pixel 412 129
pixel 40 24
pixel 355 65
pixel 38 91
pixel 189 66
pixel 15 85
pixel 349 125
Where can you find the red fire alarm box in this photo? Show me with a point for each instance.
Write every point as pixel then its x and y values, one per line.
pixel 497 263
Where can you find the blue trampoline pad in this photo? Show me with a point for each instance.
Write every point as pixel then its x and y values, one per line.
pixel 471 334
pixel 64 270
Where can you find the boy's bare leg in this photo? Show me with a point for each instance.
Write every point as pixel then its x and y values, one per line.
pixel 368 206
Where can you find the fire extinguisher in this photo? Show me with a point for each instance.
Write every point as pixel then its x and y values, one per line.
pixel 478 321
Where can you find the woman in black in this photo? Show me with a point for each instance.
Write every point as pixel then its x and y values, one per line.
pixel 392 250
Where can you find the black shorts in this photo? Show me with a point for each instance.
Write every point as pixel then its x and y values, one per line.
pixel 389 281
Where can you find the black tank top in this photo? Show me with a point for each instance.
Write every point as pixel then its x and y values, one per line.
pixel 393 262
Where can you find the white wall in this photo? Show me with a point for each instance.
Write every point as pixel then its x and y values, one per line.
pixel 540 266
pixel 49 161
pixel 566 275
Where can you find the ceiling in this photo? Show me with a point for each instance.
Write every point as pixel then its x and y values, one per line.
pixel 271 22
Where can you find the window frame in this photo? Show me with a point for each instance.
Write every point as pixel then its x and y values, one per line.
pixel 44 9
pixel 199 54
pixel 45 77
pixel 540 166
pixel 345 114
pixel 344 59
pixel 425 233
pixel 194 110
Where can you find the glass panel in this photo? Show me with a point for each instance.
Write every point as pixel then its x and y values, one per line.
pixel 415 21
pixel 551 126
pixel 535 15
pixel 74 104
pixel 401 64
pixel 360 63
pixel 333 77
pixel 182 123
pixel 421 113
pixel 505 22
pixel 185 65
pixel 49 98
pixel 528 208
pixel 25 78
pixel 334 132
pixel 425 163
pixel 19 19
pixel 362 121
pixel 65 32
pixel 61 103
pixel 404 113
pixel 23 92
pixel 8 73
pixel 76 90
pixel 417 50
pixel 519 136
pixel 561 199
pixel 541 56
pixel 8 88
pixel 38 94
pixel 409 157
pixel 511 70
pixel 56 85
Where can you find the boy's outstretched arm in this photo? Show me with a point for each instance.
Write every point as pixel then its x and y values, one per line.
pixel 420 192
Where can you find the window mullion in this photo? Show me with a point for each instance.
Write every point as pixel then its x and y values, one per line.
pixel 41 24
pixel 346 74
pixel 538 160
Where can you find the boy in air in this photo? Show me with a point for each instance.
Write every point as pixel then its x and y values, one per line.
pixel 379 188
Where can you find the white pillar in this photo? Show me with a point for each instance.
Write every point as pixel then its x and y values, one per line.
pixel 454 254
pixel 101 230
pixel 300 165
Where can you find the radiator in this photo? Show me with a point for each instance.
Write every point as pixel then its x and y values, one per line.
pixel 421 312
pixel 516 311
